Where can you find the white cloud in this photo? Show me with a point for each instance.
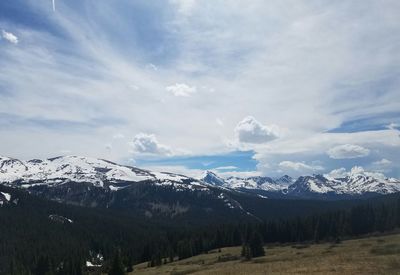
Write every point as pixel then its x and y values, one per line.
pixel 148 144
pixel 181 89
pixel 219 122
pixel 337 173
pixel 283 63
pixel 249 130
pixel 10 37
pixel 356 170
pixel 347 151
pixel 382 162
pixel 383 165
pixel 299 166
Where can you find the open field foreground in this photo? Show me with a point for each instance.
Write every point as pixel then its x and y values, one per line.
pixel 374 255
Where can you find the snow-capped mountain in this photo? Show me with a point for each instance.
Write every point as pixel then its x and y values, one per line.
pixel 90 181
pixel 213 179
pixel 100 183
pixel 255 183
pixel 355 183
pixel 97 172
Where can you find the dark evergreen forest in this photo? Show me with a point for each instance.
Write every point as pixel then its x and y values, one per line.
pixel 33 243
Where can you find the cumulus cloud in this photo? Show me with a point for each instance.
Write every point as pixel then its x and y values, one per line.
pixel 382 162
pixel 383 165
pixel 337 173
pixel 148 144
pixel 356 170
pixel 249 130
pixel 347 151
pixel 10 37
pixel 299 166
pixel 181 89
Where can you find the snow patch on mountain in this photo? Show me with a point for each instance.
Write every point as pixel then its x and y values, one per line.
pixel 357 181
pixel 256 183
pixel 97 172
pixel 6 196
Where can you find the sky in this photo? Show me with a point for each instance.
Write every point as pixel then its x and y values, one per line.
pixel 238 87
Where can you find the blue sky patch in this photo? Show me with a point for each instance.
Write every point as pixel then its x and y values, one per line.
pixel 243 160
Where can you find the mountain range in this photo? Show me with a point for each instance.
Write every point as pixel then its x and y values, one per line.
pixel 357 183
pixel 100 183
pixel 136 192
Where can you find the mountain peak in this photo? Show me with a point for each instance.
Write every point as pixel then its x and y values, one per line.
pixel 212 178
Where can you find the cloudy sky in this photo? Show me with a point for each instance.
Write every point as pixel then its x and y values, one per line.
pixel 239 87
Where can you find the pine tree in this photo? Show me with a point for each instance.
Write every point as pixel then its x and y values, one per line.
pixel 117 267
pixel 42 266
pixel 317 232
pixel 156 259
pixel 256 245
pixel 246 251
pixel 129 264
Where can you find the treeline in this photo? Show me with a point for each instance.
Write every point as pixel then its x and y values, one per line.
pixel 377 216
pixel 31 243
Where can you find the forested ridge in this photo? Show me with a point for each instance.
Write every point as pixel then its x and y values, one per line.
pixel 33 243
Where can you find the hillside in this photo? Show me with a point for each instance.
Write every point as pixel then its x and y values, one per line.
pixel 373 255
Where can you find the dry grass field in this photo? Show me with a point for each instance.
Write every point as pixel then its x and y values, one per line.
pixel 374 255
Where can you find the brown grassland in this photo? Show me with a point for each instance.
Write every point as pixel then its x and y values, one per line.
pixel 373 255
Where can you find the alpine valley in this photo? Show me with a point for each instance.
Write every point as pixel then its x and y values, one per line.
pixel 98 183
pixel 82 211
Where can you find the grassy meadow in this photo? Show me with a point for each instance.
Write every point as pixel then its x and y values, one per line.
pixel 373 255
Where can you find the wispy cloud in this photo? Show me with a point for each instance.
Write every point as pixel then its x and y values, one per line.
pixel 299 167
pixel 320 71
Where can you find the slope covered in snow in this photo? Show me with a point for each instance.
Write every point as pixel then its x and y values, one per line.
pixel 357 182
pixel 113 177
pixel 254 183
pixel 97 172
pixel 95 182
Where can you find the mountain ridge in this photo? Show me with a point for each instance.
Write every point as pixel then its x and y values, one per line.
pixel 112 177
pixel 100 183
pixel 356 183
